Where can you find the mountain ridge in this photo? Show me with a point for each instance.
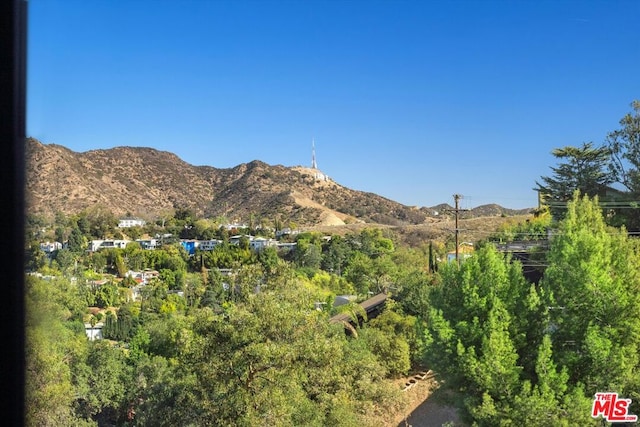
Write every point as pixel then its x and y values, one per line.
pixel 148 183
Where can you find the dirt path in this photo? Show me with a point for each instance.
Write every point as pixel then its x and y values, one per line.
pixel 423 410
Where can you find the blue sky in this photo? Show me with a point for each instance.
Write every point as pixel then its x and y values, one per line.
pixel 411 100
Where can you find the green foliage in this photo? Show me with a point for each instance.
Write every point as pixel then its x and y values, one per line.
pixel 226 255
pixel 624 144
pixel 585 171
pixel 535 356
pixel 335 254
pixel 593 286
pixel 308 252
pixel 65 259
pixel 255 350
pixel 372 243
pixel 396 339
pixel 77 240
pixel 531 229
pixel 51 348
pixel 275 360
pixel 35 258
pixel 97 261
pixel 330 282
pixel 413 292
pixel 358 272
pixel 485 324
pixel 102 383
pixel 107 295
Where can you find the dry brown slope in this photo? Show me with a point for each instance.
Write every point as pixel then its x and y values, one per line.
pixel 147 182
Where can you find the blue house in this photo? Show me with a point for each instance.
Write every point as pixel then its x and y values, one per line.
pixel 189 245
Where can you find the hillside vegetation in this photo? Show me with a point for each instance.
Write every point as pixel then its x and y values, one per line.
pixel 149 183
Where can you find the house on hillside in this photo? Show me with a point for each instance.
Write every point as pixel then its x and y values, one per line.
pixel 144 276
pixel 107 244
pixel 259 243
pixel 131 222
pixel 285 232
pixel 233 226
pixel 208 245
pixel 190 246
pixel 93 332
pixel 148 243
pixel 286 247
pixel 50 247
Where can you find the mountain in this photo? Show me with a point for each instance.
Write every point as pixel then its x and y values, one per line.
pixel 149 183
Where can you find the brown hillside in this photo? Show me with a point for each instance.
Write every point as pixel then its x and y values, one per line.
pixel 148 183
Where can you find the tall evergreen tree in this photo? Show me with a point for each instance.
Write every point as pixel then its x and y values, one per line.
pixel 624 144
pixel 583 168
pixel 77 240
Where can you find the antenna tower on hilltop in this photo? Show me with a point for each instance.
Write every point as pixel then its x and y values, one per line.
pixel 314 165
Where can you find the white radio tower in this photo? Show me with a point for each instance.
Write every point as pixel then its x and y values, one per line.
pixel 314 165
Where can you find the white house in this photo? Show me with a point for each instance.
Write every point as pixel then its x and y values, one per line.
pixel 107 244
pixel 148 243
pixel 93 332
pixel 50 247
pixel 131 222
pixel 286 232
pixel 144 276
pixel 259 243
pixel 208 245
pixel 234 226
pixel 286 246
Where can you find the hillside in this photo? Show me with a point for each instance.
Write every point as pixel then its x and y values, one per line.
pixel 148 183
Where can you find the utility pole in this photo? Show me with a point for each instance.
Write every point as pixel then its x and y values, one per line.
pixel 456 211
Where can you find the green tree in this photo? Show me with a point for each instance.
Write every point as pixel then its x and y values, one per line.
pixel 592 287
pixel 335 255
pixel 308 254
pixel 65 259
pixel 547 402
pixel 194 289
pixel 371 242
pixel 98 261
pixel 101 222
pixel 624 144
pixel 359 272
pixel 399 341
pixel 107 295
pixel 35 258
pixel 110 328
pixel 269 360
pixel 102 382
pixel 584 168
pixel 483 328
pixel 121 267
pixel 50 349
pixel 135 232
pixel 77 241
pixel 83 224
